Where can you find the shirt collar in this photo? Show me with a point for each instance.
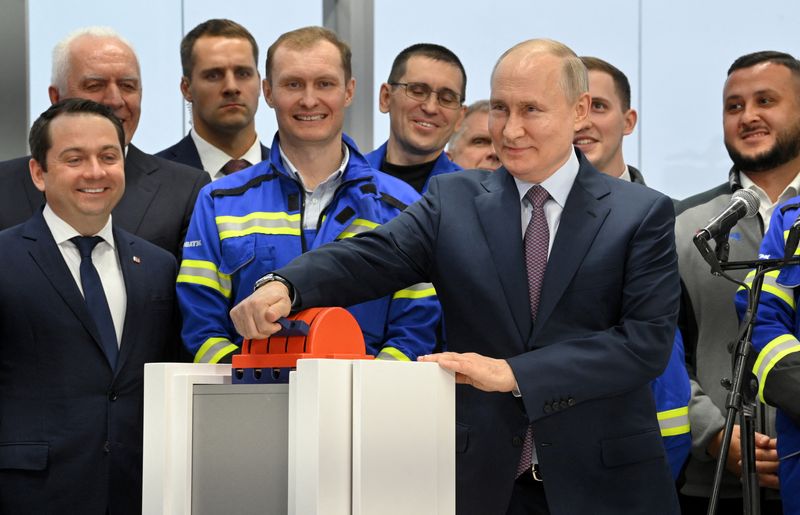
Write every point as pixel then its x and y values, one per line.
pixel 213 159
pixel 790 191
pixel 558 185
pixel 334 176
pixel 626 175
pixel 62 231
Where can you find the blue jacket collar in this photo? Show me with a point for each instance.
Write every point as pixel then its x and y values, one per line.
pixel 357 167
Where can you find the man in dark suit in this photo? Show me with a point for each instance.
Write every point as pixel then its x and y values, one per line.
pixel 222 84
pixel 159 198
pixel 560 345
pixel 78 326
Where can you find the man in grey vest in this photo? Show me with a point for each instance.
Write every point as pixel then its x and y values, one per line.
pixel 761 122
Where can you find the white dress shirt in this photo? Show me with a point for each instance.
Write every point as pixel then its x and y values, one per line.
pixel 104 258
pixel 767 207
pixel 214 159
pixel 316 200
pixel 558 186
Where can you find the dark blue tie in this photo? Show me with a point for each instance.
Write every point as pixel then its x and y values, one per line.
pixel 96 298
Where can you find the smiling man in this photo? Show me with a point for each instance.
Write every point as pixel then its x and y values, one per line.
pixel 546 270
pixel 761 126
pixel 97 64
pixel 86 305
pixel 222 84
pixel 424 97
pixel 610 119
pixel 315 188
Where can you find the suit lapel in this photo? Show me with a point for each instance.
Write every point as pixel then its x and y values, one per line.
pixel 140 189
pixel 581 219
pixel 186 153
pixel 133 273
pixel 47 256
pixel 499 213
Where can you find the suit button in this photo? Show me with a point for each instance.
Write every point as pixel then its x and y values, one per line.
pixel 564 405
pixel 107 447
pixel 112 396
pixel 548 408
pixel 571 401
pixel 516 441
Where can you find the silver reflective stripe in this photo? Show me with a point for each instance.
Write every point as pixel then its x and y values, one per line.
pixel 358 226
pixel 391 354
pixel 213 350
pixel 771 285
pixel 223 280
pixel 279 223
pixel 674 422
pixel 770 355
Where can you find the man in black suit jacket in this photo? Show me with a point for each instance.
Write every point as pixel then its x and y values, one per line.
pixel 71 395
pixel 159 198
pixel 221 81
pixel 579 374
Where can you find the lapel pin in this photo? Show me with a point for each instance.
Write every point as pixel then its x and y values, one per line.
pixel 136 259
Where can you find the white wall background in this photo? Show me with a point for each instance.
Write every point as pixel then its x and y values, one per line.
pixel 675 54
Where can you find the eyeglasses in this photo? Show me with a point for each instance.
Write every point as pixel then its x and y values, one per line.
pixel 421 92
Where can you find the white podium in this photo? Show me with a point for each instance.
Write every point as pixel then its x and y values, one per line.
pixel 343 437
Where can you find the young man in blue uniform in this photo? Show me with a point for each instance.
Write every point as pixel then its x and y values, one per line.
pixel 315 188
pixel 424 97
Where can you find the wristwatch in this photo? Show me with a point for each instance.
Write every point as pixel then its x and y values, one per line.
pixel 270 277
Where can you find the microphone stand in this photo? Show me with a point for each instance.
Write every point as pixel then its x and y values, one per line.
pixel 742 398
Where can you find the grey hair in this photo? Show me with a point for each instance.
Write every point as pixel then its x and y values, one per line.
pixel 61 51
pixel 479 106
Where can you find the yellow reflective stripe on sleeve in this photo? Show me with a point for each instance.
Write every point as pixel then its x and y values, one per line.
pixel 205 273
pixel 358 226
pixel 418 291
pixel 213 350
pixel 674 422
pixel 392 354
pixel 770 356
pixel 771 286
pixel 258 223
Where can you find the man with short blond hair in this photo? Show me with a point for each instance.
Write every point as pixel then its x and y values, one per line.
pixel 553 322
pixel 315 188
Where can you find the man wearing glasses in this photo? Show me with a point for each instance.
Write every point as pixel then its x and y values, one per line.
pixel 424 97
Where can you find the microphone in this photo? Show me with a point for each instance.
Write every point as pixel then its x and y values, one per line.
pixel 744 204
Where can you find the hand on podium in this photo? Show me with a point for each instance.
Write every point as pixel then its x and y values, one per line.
pixel 255 318
pixel 487 374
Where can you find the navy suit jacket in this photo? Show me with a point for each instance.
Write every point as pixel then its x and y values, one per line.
pixel 604 330
pixel 157 205
pixel 185 151
pixel 70 425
